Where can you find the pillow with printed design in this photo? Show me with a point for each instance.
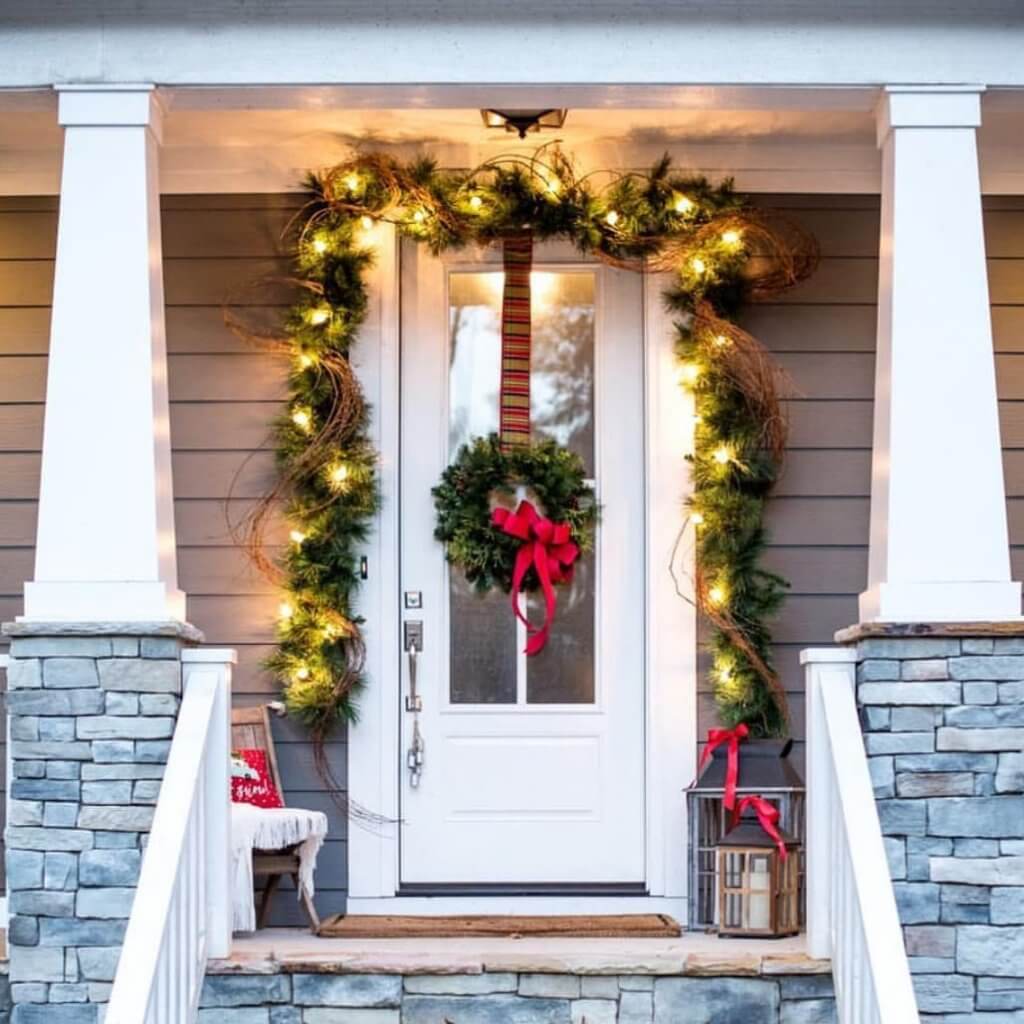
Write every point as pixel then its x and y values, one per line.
pixel 251 782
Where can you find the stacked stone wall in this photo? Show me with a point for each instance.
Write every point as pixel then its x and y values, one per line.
pixel 293 996
pixel 91 721
pixel 943 721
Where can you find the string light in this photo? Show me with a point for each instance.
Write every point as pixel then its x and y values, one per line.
pixel 611 218
pixel 319 245
pixel 338 474
pixel 696 518
pixel 305 361
pixel 683 204
pixel 297 536
pixel 320 315
pixel 353 182
pixel 722 454
pixel 718 595
pixel 722 341
pixel 475 202
pixel 689 372
pixel 302 673
pixel 303 419
pixel 419 216
pixel 366 223
pixel 285 610
pixel 731 238
pixel 699 266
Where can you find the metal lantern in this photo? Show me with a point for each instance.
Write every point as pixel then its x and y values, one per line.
pixel 764 770
pixel 758 888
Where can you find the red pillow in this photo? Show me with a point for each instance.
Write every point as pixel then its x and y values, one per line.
pixel 250 779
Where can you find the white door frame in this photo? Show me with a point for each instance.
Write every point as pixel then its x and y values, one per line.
pixel 670 634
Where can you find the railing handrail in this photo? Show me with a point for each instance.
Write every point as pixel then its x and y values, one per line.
pixel 190 821
pixel 838 774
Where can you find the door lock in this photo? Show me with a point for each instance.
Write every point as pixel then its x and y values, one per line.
pixel 413 634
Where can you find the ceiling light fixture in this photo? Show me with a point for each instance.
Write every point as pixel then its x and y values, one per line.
pixel 523 121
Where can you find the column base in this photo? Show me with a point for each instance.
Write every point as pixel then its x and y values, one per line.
pixel 102 601
pixel 956 601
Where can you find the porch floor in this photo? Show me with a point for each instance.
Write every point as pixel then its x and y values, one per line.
pixel 296 950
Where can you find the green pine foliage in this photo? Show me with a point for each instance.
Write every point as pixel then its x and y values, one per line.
pixel 656 220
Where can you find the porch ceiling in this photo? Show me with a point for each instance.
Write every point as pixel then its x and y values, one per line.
pixel 261 140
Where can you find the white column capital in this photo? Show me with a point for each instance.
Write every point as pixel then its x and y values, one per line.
pixel 111 106
pixel 927 106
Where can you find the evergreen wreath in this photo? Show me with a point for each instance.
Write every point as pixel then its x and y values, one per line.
pixel 720 251
pixel 481 474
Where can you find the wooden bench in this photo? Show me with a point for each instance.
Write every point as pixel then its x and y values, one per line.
pixel 250 729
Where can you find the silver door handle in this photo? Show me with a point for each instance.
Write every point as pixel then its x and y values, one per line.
pixel 413 701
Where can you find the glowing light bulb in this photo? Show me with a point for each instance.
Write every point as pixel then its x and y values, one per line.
pixel 319 245
pixel 731 237
pixel 722 455
pixel 366 223
pixel 320 315
pixel 611 218
pixel 306 361
pixel 285 610
pixel 339 474
pixel 698 265
pixel 553 186
pixel 722 341
pixel 297 536
pixel 717 595
pixel 689 372
pixel 353 182
pixel 725 673
pixel 683 205
pixel 475 202
pixel 696 518
pixel 303 419
pixel 419 216
pixel 302 673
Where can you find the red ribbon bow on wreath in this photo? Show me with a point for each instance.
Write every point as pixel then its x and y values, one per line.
pixel 767 816
pixel 549 548
pixel 716 737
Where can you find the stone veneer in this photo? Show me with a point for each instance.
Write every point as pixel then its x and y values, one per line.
pixel 942 710
pixel 92 709
pixel 308 993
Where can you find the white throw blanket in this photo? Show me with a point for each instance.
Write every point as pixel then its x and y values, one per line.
pixel 263 828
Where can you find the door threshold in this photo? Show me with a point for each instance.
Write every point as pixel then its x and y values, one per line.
pixel 443 905
pixel 547 889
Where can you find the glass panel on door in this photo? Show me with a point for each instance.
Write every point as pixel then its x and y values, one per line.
pixel 486 664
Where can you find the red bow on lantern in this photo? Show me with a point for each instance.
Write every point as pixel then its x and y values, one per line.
pixel 549 548
pixel 716 737
pixel 767 816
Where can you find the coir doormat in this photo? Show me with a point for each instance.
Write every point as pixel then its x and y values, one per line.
pixel 604 926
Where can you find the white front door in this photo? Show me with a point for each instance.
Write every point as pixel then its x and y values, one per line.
pixel 533 773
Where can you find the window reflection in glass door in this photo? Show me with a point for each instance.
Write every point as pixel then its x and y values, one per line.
pixel 487 665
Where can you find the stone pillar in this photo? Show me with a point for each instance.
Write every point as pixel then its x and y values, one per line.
pixel 943 717
pixel 105 546
pixel 939 548
pixel 92 710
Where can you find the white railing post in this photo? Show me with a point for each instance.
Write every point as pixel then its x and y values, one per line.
pixel 218 795
pixel 851 907
pixel 9 774
pixel 181 915
pixel 823 666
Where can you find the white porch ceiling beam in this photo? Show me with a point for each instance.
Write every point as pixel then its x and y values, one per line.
pixel 939 547
pixel 105 549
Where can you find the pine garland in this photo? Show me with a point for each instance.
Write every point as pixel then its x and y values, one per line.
pixel 705 234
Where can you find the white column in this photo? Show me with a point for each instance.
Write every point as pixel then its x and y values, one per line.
pixel 105 549
pixel 939 545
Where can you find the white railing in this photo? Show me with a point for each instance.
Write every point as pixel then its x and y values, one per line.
pixel 4 662
pixel 182 910
pixel 851 907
